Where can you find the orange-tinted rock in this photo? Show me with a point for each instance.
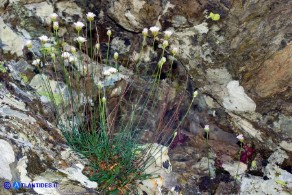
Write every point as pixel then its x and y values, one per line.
pixel 275 76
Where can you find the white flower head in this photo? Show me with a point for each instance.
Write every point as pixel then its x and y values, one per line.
pixel 161 62
pixel 80 39
pixel 72 59
pixel 97 46
pixel 90 16
pixel 154 30
pixel 167 34
pixel 44 39
pixel 240 137
pixel 165 44
pixel 207 128
pixel 195 94
pixel 78 26
pixel 28 44
pixel 109 33
pixel 66 55
pixel 73 50
pixel 110 71
pixel 55 25
pixel 174 51
pixel 53 17
pixel 36 62
pixel 116 56
pixel 145 32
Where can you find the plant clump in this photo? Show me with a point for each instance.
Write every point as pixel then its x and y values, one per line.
pixel 108 131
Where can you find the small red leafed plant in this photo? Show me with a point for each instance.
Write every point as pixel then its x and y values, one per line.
pixel 246 153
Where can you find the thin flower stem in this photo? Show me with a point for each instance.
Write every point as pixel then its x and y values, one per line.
pixel 116 65
pixel 170 69
pixel 208 154
pixel 240 150
pixel 153 43
pixel 108 48
pixel 141 51
pixel 163 50
pixel 91 46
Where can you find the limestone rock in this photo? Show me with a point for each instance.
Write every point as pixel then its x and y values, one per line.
pixel 3 2
pixel 135 15
pixel 233 167
pixel 237 100
pixel 68 9
pixel 202 28
pixel 75 173
pixel 279 180
pixel 247 127
pixel 286 145
pixel 41 83
pixel 42 10
pixel 11 41
pixel 6 158
pixel 159 165
pixel 182 15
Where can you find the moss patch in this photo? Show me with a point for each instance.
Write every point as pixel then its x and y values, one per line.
pixel 2 68
pixel 35 165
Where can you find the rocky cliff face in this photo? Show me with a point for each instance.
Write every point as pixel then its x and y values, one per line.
pixel 240 64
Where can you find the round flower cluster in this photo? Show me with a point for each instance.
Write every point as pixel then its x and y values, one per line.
pixel 78 26
pixel 110 71
pixel 80 39
pixel 90 16
pixel 44 39
pixel 154 30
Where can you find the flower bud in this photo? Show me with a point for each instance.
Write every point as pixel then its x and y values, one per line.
pixel 145 32
pixel 97 46
pixel 164 44
pixel 174 135
pixel 174 51
pixel 206 128
pixel 103 100
pixel 116 55
pixel 73 50
pixel 161 62
pixel 28 44
pixel 195 94
pixel 55 25
pixel 109 33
